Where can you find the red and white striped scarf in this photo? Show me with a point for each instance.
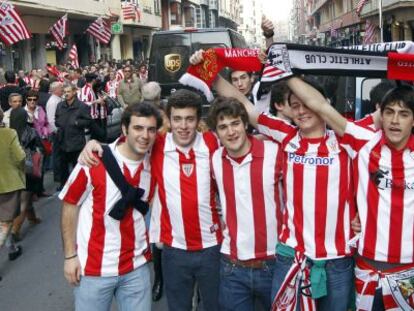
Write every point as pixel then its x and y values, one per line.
pixel 295 288
pixel 368 280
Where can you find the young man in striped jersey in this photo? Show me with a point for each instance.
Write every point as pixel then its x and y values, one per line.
pixel 104 256
pixel 246 173
pixel 384 171
pixel 313 257
pixel 184 213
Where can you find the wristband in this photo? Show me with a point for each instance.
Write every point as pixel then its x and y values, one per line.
pixel 268 35
pixel 71 257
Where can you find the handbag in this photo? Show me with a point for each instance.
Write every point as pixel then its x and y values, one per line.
pixel 33 163
pixel 47 146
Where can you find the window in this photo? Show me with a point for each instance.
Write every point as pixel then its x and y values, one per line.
pixel 157 10
pixel 175 9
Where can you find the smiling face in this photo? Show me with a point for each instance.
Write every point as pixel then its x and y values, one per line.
pixel 397 123
pixel 184 122
pixel 310 124
pixel 233 136
pixel 140 136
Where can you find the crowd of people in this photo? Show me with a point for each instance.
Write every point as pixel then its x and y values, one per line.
pixel 47 115
pixel 277 203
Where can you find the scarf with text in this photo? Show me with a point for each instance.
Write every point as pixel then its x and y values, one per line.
pixel 284 60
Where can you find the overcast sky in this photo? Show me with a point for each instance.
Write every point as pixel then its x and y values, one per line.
pixel 277 9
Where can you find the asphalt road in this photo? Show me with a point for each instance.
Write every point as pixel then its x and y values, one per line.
pixel 35 280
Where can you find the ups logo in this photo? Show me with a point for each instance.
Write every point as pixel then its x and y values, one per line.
pixel 172 62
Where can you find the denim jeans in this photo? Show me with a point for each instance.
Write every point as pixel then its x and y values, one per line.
pixel 181 269
pixel 241 288
pixel 339 273
pixel 132 291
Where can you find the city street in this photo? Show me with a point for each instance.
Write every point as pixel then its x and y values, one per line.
pixel 35 280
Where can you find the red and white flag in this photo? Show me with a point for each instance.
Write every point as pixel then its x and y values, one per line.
pixel 59 31
pixel 360 6
pixel 12 27
pixel 100 30
pixel 73 56
pixel 131 11
pixel 369 35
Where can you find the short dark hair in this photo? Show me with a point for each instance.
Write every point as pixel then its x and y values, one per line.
pixel 32 93
pixel 44 86
pixel 140 110
pixel 89 77
pixel 226 107
pixel 10 76
pixel 403 95
pixel 184 98
pixel 314 84
pixel 278 94
pixel 378 92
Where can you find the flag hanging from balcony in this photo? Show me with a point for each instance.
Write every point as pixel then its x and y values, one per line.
pixel 131 10
pixel 12 27
pixel 360 6
pixel 59 31
pixel 100 30
pixel 369 35
pixel 73 56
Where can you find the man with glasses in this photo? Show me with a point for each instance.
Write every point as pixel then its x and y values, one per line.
pixel 129 91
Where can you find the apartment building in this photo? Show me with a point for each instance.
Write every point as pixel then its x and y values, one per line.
pixel 336 22
pixel 251 12
pixel 40 15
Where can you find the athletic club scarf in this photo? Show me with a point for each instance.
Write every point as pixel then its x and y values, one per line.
pixel 284 60
pixel 396 286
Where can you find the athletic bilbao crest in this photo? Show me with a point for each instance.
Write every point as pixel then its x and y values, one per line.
pixel 6 21
pixel 402 288
pixel 188 169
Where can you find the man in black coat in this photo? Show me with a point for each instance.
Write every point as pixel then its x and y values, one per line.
pixel 9 88
pixel 72 118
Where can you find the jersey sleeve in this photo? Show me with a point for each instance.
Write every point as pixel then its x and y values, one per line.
pixel 367 122
pixel 275 128
pixel 355 137
pixel 77 187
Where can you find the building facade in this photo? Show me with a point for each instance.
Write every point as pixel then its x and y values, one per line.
pixel 132 41
pixel 251 12
pixel 336 22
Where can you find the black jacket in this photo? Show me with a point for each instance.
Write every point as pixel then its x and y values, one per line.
pixel 71 122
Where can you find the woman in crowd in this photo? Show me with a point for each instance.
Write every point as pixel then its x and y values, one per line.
pixel 30 127
pixel 12 181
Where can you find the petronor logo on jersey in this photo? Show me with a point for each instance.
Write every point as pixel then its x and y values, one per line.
pixel 188 169
pixel 310 160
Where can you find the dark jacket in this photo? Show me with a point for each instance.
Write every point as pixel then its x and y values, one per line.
pixel 71 122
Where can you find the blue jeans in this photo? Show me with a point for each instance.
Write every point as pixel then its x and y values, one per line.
pixel 132 291
pixel 340 278
pixel 240 287
pixel 181 269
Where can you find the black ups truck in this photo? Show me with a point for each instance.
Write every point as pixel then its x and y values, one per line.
pixel 171 50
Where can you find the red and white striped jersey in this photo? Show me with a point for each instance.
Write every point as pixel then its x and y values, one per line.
pixel 318 191
pixel 367 122
pixel 87 95
pixel 111 88
pixel 108 247
pixel 249 200
pixel 384 183
pixel 184 213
